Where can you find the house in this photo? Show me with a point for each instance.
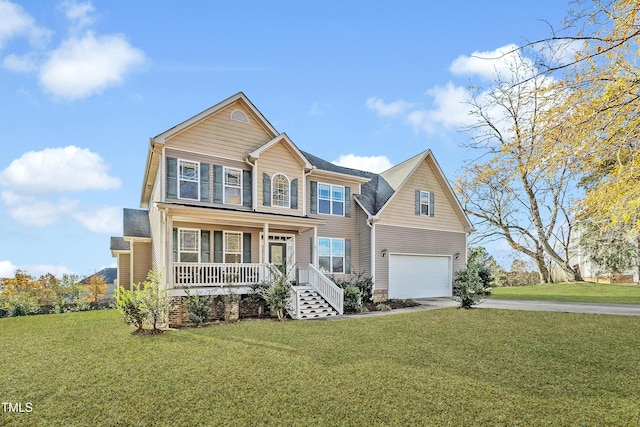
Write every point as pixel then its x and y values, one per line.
pixel 224 194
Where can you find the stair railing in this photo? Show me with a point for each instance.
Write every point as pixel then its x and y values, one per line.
pixel 328 290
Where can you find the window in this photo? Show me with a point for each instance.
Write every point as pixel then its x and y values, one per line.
pixel 189 245
pixel 425 206
pixel 189 180
pixel 280 191
pixel 232 247
pixel 331 254
pixel 330 199
pixel 239 116
pixel 232 186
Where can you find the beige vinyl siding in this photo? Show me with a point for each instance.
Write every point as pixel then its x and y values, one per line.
pixel 280 159
pixel 401 209
pixel 124 271
pixel 141 252
pixel 211 161
pixel 415 241
pixel 303 248
pixel 255 236
pixel 219 136
pixel 155 222
pixel 364 240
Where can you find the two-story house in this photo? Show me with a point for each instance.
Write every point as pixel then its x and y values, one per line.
pixel 224 194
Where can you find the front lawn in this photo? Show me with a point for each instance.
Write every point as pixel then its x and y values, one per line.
pixel 577 292
pixel 440 367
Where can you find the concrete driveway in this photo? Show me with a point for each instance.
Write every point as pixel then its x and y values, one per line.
pixel 562 307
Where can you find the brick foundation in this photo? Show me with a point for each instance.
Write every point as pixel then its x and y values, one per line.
pixel 219 311
pixel 380 295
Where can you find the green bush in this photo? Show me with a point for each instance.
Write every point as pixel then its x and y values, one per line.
pixel 352 300
pixel 156 302
pixel 198 307
pixel 360 281
pixel 275 292
pixel 383 307
pixel 22 305
pixel 469 286
pixel 130 305
pixel 411 303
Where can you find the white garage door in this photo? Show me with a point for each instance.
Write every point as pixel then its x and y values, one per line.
pixel 419 276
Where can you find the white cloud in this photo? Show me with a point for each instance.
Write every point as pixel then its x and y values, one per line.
pixel 450 110
pixel 58 170
pixel 16 22
pixel 318 109
pixel 7 269
pixel 87 65
pixel 106 220
pixel 20 64
pixel 36 211
pixel 78 13
pixel 365 163
pixel 391 109
pixel 489 65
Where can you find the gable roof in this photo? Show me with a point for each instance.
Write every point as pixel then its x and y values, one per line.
pixel 378 192
pixel 136 223
pixel 283 137
pixel 155 143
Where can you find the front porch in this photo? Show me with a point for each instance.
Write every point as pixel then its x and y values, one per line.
pixel 312 294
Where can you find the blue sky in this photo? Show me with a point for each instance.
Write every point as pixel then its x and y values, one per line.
pixel 84 85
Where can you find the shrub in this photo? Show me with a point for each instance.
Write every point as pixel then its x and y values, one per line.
pixel 383 307
pixel 276 292
pixel 156 302
pixel 469 286
pixel 360 281
pixel 198 307
pixel 352 300
pixel 411 303
pixel 22 305
pixel 130 306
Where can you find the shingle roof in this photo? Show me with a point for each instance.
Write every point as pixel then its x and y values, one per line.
pixel 374 194
pixel 136 223
pixel 119 244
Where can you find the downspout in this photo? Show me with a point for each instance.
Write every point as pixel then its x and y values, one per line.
pixel 254 183
pixel 371 222
pixel 304 189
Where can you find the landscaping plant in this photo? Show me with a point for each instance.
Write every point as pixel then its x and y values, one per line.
pixel 198 307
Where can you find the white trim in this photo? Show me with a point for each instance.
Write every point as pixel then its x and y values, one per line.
pixel 198 243
pixel 288 205
pixel 179 178
pixel 331 256
pixel 344 196
pixel 291 245
pixel 224 185
pixel 255 154
pixel 428 193
pixel 214 158
pixel 224 246
pixel 422 228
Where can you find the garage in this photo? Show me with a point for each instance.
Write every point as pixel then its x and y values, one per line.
pixel 419 276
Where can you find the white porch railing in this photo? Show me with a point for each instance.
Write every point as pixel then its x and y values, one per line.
pixel 331 292
pixel 236 274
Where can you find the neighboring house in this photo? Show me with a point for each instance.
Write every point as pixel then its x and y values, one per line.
pixel 224 193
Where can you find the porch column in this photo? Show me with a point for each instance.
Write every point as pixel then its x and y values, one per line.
pixel 169 273
pixel 265 248
pixel 314 261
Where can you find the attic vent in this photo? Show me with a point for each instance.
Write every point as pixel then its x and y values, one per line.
pixel 239 116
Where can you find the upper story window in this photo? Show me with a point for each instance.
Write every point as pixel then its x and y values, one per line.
pixel 425 203
pixel 189 180
pixel 280 191
pixel 232 186
pixel 188 245
pixel 239 116
pixel 330 199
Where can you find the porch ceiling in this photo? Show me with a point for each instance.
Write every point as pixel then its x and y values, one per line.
pixel 223 216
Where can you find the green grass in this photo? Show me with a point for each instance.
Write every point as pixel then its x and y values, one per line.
pixel 441 367
pixel 577 292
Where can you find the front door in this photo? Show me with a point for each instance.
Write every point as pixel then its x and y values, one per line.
pixel 278 255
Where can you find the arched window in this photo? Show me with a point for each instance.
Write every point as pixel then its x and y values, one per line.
pixel 280 191
pixel 239 116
